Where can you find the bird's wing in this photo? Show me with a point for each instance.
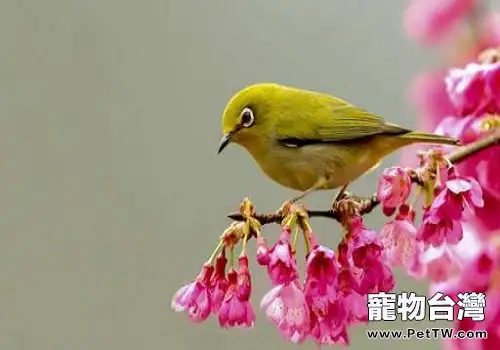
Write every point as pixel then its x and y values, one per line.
pixel 335 122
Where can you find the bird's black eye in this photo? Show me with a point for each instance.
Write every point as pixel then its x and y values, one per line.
pixel 247 117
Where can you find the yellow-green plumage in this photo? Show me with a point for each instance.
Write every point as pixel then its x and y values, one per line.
pixel 308 140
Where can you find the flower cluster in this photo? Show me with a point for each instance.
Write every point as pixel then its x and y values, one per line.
pixel 321 306
pixel 463 101
pixel 484 266
pixel 475 93
pixel 332 296
pixel 453 199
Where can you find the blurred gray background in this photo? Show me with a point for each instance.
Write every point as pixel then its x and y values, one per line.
pixel 111 191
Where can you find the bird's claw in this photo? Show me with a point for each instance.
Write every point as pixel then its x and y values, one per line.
pixel 285 208
pixel 346 207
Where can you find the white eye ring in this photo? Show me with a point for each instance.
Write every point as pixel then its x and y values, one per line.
pixel 247 117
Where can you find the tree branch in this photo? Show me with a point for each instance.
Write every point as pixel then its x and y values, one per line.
pixel 365 205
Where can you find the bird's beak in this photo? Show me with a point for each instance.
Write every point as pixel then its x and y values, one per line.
pixel 226 139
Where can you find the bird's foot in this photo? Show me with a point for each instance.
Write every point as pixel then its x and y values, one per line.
pixel 342 193
pixel 346 207
pixel 285 208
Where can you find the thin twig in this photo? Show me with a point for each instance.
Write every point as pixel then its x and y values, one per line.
pixel 365 205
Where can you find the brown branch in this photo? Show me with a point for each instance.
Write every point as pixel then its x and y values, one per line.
pixel 365 205
pixel 473 148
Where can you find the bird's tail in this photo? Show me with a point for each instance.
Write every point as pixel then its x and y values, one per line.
pixel 424 137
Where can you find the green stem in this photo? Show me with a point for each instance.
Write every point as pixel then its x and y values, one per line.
pixel 245 240
pixel 307 241
pixel 295 240
pixel 231 256
pixel 214 253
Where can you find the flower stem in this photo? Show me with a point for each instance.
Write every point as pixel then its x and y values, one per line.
pixel 214 253
pixel 295 240
pixel 307 241
pixel 246 234
pixel 231 256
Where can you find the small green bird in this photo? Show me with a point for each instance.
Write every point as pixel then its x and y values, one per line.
pixel 308 141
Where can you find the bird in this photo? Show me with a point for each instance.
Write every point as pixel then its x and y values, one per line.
pixel 308 141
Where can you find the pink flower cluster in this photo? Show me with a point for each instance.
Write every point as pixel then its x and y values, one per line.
pixel 480 272
pixel 454 200
pixel 460 229
pixel 214 292
pixel 332 297
pixel 475 93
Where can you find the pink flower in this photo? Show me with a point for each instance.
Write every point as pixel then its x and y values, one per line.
pixel 282 266
pixel 437 229
pixel 368 264
pixel 195 296
pixel 262 251
pixel 328 314
pixel 442 221
pixel 400 243
pixel 393 189
pixel 285 306
pixel 219 283
pixel 428 21
pixel 483 166
pixel 354 303
pixel 236 310
pixel 362 271
pixel 330 329
pixel 480 275
pixel 321 268
pixel 474 90
pixel 458 195
pixel 440 263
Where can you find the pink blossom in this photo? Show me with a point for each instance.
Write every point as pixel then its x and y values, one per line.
pixel 354 303
pixel 428 21
pixel 195 296
pixel 363 270
pixel 484 270
pixel 368 264
pixel 328 314
pixel 330 329
pixel 321 268
pixel 483 166
pixel 437 229
pixel 442 221
pixel 285 305
pixel 475 89
pixel 262 251
pixel 236 310
pixel 393 189
pixel 244 278
pixel 458 195
pixel 218 283
pixel 440 263
pixel 399 238
pixel 356 307
pixel 282 266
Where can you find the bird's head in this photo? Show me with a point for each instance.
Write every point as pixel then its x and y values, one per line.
pixel 248 117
